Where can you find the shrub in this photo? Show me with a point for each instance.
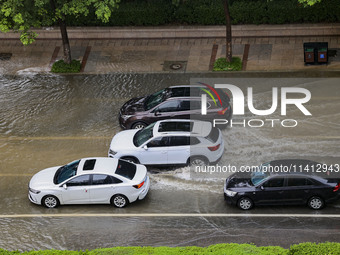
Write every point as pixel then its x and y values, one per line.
pixel 211 12
pixel 62 67
pixel 221 64
pixel 315 249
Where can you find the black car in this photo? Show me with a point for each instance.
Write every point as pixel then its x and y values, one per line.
pixel 273 184
pixel 175 102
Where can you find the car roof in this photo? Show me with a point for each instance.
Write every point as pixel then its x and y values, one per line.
pixel 97 165
pixel 199 128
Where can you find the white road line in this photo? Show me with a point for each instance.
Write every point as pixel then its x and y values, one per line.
pixel 42 138
pixel 47 138
pixel 15 175
pixel 170 215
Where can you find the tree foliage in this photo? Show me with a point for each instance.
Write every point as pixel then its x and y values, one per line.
pixel 309 2
pixel 23 15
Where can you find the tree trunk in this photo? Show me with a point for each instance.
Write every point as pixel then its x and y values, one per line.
pixel 66 43
pixel 229 53
pixel 64 36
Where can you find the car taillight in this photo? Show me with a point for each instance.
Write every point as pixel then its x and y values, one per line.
pixel 222 111
pixel 214 148
pixel 336 188
pixel 138 186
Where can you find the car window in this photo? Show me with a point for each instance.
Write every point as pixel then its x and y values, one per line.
pixel 296 182
pixel 184 105
pixel 179 92
pixel 102 179
pixel 274 182
pixel 126 169
pixel 158 142
pixel 194 141
pixel 196 105
pixel 89 164
pixel 81 180
pixel 179 140
pixel 213 135
pixel 173 126
pixel 171 106
pixel 66 172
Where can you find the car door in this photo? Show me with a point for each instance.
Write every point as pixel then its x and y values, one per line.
pixel 178 149
pixel 103 187
pixel 298 189
pixel 154 152
pixel 76 190
pixel 271 191
pixel 165 110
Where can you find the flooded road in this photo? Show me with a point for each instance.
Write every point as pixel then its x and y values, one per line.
pixel 49 120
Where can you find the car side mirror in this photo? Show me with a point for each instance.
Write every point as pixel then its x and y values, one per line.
pixel 65 186
pixel 145 147
pixel 157 113
pixel 262 188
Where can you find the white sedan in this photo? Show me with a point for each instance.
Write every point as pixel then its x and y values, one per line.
pixel 174 141
pixel 90 181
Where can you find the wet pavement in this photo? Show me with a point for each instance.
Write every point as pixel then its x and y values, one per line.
pixel 48 120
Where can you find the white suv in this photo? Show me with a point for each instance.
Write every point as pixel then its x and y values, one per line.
pixel 170 142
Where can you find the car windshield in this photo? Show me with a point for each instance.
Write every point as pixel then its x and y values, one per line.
pixel 66 172
pixel 258 177
pixel 143 135
pixel 155 99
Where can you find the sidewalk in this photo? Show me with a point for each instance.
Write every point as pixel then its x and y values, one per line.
pixel 171 49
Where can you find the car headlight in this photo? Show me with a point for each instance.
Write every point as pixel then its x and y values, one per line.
pixel 34 191
pixel 125 117
pixel 111 152
pixel 230 193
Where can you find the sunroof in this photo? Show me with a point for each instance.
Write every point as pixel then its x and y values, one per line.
pixel 89 164
pixel 172 126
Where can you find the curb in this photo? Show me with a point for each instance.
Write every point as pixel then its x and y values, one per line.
pixel 172 32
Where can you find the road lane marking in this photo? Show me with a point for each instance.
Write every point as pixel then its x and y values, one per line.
pixel 15 175
pixel 47 138
pixel 170 215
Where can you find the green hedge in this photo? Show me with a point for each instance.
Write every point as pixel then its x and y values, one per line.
pixel 61 67
pixel 210 12
pixel 227 249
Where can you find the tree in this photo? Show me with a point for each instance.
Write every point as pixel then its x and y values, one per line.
pixel 23 15
pixel 309 2
pixel 229 53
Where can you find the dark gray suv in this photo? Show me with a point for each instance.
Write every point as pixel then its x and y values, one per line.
pixel 180 102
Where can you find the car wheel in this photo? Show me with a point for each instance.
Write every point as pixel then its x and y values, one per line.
pixel 139 125
pixel 316 203
pixel 245 203
pixel 50 201
pixel 198 161
pixel 131 159
pixel 119 201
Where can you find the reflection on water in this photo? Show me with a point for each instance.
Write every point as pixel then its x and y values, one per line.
pixel 48 120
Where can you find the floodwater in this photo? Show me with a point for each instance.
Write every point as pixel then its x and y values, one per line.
pixel 48 120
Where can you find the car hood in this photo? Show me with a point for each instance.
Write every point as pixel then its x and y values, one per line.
pixel 123 140
pixel 239 180
pixel 133 106
pixel 44 178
